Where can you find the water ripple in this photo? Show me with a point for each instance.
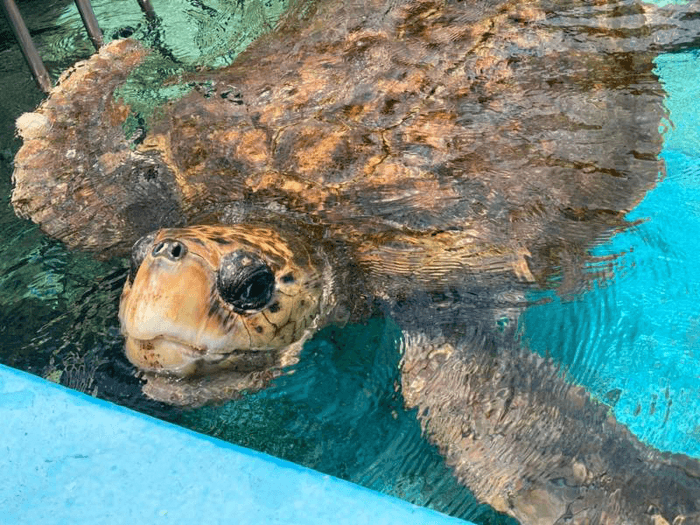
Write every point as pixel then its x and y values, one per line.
pixel 633 339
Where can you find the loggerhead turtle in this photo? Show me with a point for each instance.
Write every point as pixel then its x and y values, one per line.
pixel 429 161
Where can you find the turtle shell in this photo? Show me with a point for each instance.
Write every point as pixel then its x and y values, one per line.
pixel 500 124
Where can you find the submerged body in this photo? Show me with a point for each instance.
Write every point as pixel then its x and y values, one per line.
pixel 427 161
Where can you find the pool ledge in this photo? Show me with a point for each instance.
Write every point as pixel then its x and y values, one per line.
pixel 66 457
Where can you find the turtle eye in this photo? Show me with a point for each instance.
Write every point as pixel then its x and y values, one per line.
pixel 139 252
pixel 245 281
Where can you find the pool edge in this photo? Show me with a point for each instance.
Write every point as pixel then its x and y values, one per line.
pixel 72 458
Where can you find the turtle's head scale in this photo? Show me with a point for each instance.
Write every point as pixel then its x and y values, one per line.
pixel 239 298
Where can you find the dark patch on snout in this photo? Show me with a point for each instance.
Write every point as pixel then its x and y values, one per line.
pixel 195 240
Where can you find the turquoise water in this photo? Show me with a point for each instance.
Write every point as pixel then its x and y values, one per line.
pixel 633 338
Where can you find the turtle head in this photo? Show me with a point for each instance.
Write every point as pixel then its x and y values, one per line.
pixel 238 299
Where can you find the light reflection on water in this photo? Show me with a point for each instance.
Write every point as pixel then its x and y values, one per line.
pixel 632 339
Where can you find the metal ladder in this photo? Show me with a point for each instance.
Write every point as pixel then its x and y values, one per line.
pixel 36 65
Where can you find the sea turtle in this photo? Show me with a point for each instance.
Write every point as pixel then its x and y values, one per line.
pixel 430 161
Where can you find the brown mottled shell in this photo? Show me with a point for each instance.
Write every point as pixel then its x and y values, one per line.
pixel 502 125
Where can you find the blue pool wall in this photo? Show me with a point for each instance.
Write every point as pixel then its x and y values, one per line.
pixel 68 458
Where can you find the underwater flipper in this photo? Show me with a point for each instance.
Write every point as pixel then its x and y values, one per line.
pixel 536 447
pixel 77 174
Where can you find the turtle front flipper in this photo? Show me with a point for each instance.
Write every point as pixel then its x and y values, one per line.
pixel 77 175
pixel 534 446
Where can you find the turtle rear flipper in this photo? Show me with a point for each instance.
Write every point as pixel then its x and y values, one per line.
pixel 76 174
pixel 535 446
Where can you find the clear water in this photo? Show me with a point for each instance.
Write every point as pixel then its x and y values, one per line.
pixel 633 339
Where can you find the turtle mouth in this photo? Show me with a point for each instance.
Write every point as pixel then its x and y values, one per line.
pixel 163 355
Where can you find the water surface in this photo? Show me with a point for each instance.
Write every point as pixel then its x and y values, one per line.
pixel 632 337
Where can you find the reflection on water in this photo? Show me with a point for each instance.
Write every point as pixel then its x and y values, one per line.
pixel 632 338
pixel 644 318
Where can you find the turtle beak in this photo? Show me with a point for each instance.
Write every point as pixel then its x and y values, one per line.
pixel 164 312
pixel 162 355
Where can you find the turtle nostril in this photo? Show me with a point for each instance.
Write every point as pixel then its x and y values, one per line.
pixel 170 249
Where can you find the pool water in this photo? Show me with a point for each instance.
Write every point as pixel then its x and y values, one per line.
pixel 632 338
